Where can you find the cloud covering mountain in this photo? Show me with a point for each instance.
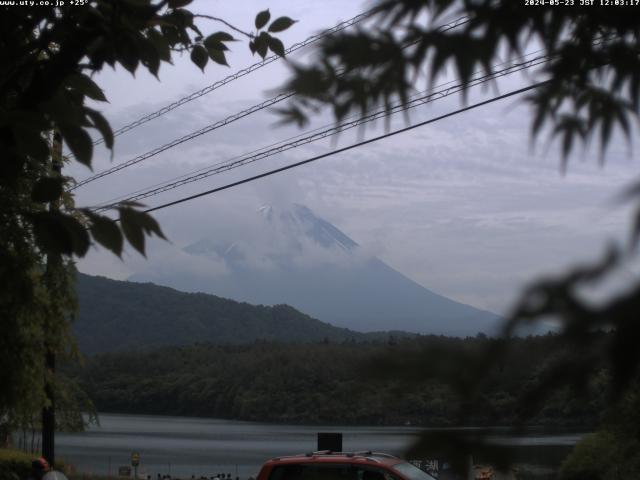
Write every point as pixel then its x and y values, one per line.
pixel 302 260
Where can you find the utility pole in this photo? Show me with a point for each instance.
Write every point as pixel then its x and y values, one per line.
pixel 52 271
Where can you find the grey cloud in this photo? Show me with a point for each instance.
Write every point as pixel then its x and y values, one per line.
pixel 462 206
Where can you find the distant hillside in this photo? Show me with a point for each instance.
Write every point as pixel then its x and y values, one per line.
pixel 119 316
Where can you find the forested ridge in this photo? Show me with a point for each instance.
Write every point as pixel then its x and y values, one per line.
pixel 116 315
pixel 331 383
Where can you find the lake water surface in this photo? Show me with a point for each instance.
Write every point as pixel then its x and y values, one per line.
pixel 184 446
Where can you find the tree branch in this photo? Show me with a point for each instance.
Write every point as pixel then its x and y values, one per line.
pixel 209 17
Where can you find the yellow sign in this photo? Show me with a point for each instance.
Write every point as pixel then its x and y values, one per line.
pixel 135 459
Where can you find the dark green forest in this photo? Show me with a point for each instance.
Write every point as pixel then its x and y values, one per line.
pixel 345 382
pixel 119 316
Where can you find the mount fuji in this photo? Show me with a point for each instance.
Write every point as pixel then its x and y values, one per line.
pixel 304 261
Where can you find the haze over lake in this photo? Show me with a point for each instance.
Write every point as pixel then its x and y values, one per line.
pixel 185 446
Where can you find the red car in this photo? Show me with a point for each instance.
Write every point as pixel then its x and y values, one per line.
pixel 326 465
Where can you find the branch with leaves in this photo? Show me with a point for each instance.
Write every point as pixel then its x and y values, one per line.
pixel 41 92
pixel 48 61
pixel 594 68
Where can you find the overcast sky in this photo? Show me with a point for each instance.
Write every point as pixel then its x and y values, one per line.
pixel 464 206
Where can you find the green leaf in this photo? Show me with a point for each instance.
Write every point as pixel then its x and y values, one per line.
pixel 127 53
pixel 79 142
pixel 215 45
pixel 149 55
pixel 262 18
pixel 47 189
pixel 132 231
pixel 79 236
pixel 49 237
pixel 262 44
pixel 218 37
pixel 106 232
pixel 276 46
pixel 63 108
pixel 252 47
pixel 102 126
pixel 538 121
pixel 58 233
pixel 150 225
pixel 85 85
pixel 161 44
pixel 199 56
pixel 218 56
pixel 280 24
pixel 195 28
pixel 182 19
pixel 179 3
pixel 292 114
pixel 136 225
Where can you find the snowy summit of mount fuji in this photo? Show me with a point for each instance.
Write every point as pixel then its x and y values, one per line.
pixel 295 257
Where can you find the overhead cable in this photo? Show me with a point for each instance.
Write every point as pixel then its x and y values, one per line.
pixel 214 126
pixel 240 73
pixel 533 56
pixel 344 149
pixel 327 131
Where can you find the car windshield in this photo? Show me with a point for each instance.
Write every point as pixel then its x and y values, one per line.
pixel 411 472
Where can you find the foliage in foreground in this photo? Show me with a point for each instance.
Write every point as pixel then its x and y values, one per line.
pixel 612 453
pixel 16 464
pixel 48 56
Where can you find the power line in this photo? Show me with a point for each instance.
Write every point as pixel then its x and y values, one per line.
pixel 240 73
pixel 186 138
pixel 323 132
pixel 344 149
pixel 214 126
pixel 279 143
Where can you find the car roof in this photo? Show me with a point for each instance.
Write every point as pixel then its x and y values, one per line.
pixel 355 458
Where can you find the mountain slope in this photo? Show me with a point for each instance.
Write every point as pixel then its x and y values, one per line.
pixel 299 259
pixel 117 316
